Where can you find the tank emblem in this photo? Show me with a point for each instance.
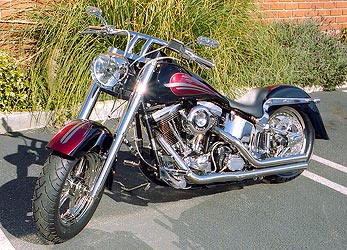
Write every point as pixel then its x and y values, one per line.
pixel 182 84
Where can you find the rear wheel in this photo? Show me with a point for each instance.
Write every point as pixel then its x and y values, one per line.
pixel 62 206
pixel 293 134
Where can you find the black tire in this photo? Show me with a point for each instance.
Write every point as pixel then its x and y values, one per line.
pixel 302 124
pixel 61 208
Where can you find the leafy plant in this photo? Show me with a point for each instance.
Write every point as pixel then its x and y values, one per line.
pixel 14 86
pixel 343 35
pixel 314 58
pixel 297 54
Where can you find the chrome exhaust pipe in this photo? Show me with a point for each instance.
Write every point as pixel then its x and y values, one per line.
pixel 240 176
pixel 253 161
pixel 228 176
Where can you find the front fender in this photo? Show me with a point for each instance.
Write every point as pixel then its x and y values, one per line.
pixel 79 136
pixel 310 108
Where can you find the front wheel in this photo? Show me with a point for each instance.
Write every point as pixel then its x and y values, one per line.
pixel 62 206
pixel 292 134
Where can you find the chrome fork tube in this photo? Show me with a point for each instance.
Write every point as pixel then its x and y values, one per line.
pixel 89 102
pixel 132 107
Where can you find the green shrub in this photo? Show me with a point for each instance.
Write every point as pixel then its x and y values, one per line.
pixel 14 87
pixel 297 54
pixel 314 58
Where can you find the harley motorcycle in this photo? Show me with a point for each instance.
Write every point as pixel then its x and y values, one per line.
pixel 186 134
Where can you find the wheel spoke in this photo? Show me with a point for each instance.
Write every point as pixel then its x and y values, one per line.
pixel 64 197
pixel 290 134
pixel 283 152
pixel 74 199
pixel 294 138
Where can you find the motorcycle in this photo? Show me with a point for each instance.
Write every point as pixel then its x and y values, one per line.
pixel 186 133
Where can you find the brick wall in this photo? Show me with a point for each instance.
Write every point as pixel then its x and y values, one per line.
pixel 332 14
pixel 7 7
pixel 13 20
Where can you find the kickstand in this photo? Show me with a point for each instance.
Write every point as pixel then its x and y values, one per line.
pixel 147 185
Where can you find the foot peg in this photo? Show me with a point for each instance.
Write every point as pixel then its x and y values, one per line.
pixel 131 163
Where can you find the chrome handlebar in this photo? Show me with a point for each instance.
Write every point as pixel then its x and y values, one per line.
pixel 173 44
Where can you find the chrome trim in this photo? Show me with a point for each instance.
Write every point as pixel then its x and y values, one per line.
pixel 253 161
pixel 285 101
pixel 227 176
pixel 316 100
pixel 149 40
pixel 165 112
pixel 239 176
pixel 170 151
pixel 281 102
pixel 132 107
pixel 89 102
pixel 214 109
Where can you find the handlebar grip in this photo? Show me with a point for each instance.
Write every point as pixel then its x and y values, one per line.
pixel 205 62
pixel 198 59
pixel 96 27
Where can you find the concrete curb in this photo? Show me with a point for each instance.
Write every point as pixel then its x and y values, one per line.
pixel 20 121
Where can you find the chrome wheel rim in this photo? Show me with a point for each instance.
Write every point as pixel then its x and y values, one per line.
pixel 288 134
pixel 74 198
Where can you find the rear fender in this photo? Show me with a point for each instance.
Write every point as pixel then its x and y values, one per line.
pixel 307 106
pixel 78 137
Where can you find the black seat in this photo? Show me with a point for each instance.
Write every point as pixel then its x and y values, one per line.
pixel 251 103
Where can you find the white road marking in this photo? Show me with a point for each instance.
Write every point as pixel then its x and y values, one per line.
pixel 330 163
pixel 317 178
pixel 5 244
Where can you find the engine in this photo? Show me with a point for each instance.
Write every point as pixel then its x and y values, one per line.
pixel 188 131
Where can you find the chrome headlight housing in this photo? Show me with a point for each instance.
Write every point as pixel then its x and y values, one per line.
pixel 109 69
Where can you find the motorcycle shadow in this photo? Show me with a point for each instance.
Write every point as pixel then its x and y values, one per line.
pixel 16 195
pixel 129 177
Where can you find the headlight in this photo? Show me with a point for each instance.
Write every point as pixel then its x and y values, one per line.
pixel 109 69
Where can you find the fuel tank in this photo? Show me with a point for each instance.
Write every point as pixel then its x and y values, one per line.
pixel 172 83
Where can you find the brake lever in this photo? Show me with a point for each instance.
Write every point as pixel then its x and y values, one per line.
pixel 94 30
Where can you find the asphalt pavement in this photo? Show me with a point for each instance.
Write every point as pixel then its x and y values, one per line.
pixel 309 212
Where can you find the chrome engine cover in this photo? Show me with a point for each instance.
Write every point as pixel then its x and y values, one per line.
pixel 183 131
pixel 201 117
pixel 239 127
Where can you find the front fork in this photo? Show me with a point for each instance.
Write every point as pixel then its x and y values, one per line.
pixel 134 103
pixel 90 102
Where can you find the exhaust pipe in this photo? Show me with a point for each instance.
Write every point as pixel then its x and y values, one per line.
pixel 240 176
pixel 253 161
pixel 232 176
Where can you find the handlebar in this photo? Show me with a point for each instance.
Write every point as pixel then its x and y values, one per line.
pixel 173 44
pixel 205 63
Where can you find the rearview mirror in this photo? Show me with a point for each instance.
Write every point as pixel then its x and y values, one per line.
pixel 94 11
pixel 207 42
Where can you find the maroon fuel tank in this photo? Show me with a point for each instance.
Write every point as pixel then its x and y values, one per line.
pixel 172 83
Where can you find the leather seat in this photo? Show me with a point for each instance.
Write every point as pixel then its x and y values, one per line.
pixel 251 103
